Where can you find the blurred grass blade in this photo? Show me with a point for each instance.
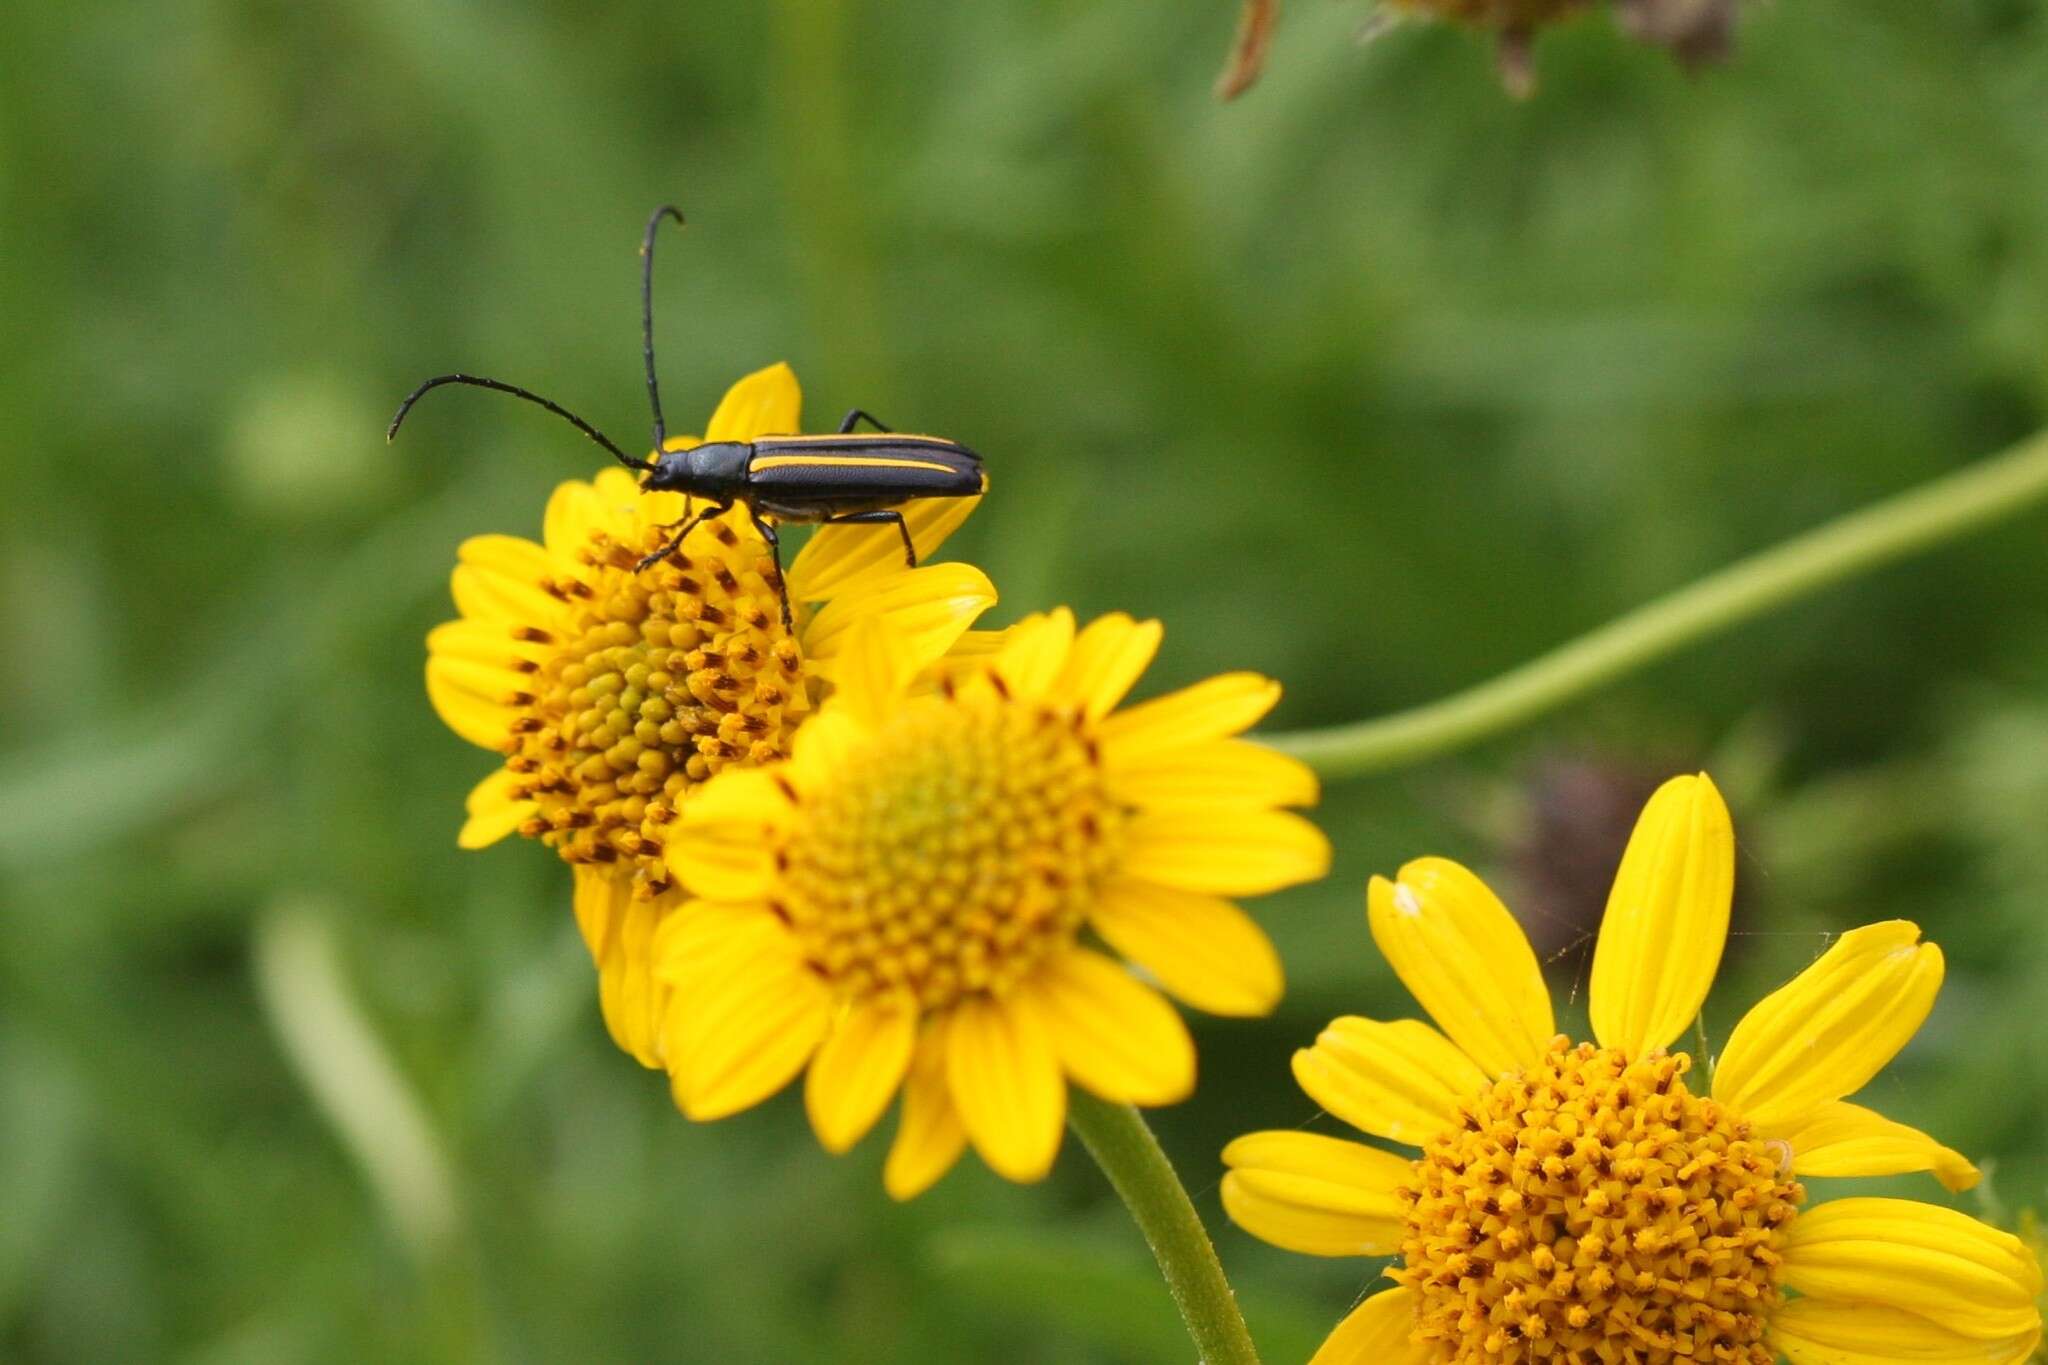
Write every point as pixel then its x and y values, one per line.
pixel 330 1045
pixel 77 792
pixel 42 1124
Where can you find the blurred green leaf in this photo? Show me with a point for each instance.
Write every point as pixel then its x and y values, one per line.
pixel 1087 1285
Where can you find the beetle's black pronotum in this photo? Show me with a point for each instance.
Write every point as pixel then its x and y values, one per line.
pixel 844 478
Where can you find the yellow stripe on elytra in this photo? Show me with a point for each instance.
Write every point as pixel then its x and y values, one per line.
pixel 846 462
pixel 891 438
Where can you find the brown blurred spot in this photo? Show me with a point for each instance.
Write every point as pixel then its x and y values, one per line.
pixel 1248 53
pixel 1580 812
pixel 1696 32
pixel 1579 815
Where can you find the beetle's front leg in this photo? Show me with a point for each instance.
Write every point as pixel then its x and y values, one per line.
pixel 689 524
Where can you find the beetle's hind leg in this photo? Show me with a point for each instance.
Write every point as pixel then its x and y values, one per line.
pixel 688 524
pixel 856 415
pixel 881 518
pixel 767 533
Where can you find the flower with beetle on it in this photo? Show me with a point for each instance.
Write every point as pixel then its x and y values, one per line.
pixel 614 693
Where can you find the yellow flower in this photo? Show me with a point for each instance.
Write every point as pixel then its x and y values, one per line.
pixel 615 693
pixel 901 905
pixel 1582 1203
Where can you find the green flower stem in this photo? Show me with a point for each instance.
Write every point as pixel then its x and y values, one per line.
pixel 1123 1146
pixel 1938 511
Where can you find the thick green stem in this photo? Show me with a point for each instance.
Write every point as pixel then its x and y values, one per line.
pixel 1932 514
pixel 1130 1156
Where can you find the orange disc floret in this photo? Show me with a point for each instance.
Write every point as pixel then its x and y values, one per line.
pixel 1590 1209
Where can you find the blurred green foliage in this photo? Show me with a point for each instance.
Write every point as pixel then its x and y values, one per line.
pixel 1376 381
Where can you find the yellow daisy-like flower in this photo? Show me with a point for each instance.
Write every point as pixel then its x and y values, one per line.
pixel 903 903
pixel 614 693
pixel 1581 1203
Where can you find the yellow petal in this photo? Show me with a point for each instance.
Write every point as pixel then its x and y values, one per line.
pixel 494 684
pixel 1667 919
pixel 753 1032
pixel 573 512
pixel 765 403
pixel 875 667
pixel 1321 1196
pixel 857 1071
pixel 498 578
pixel 1215 709
pixel 594 904
pixel 1006 1084
pixel 1376 1333
pixel 1034 651
pixel 621 931
pixel 1843 1139
pixel 928 607
pixel 1462 956
pixel 704 942
pixel 1204 950
pixel 495 810
pixel 483 642
pixel 699 952
pixel 618 492
pixel 725 844
pixel 479 717
pixel 837 559
pixel 1218 772
pixel 1402 1080
pixel 1833 1332
pixel 824 745
pixel 977 646
pixel 1224 852
pixel 1942 1265
pixel 1113 1035
pixel 1108 657
pixel 664 508
pixel 515 557
pixel 1833 1027
pixel 929 1136
pixel 629 994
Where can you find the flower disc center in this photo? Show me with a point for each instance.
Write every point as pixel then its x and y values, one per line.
pixel 1592 1203
pixel 965 843
pixel 659 678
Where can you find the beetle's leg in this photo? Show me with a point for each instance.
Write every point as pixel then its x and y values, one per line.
pixel 689 524
pixel 854 415
pixel 881 518
pixel 767 533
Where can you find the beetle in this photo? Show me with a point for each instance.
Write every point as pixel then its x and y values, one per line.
pixel 846 477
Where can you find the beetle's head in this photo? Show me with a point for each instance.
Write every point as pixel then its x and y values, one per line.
pixel 715 469
pixel 670 471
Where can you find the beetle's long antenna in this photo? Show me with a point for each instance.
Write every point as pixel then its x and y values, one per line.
pixel 647 312
pixel 502 387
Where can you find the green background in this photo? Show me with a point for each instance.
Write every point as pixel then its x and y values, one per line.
pixel 1375 381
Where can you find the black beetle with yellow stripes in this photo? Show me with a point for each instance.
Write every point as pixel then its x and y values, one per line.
pixel 846 477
